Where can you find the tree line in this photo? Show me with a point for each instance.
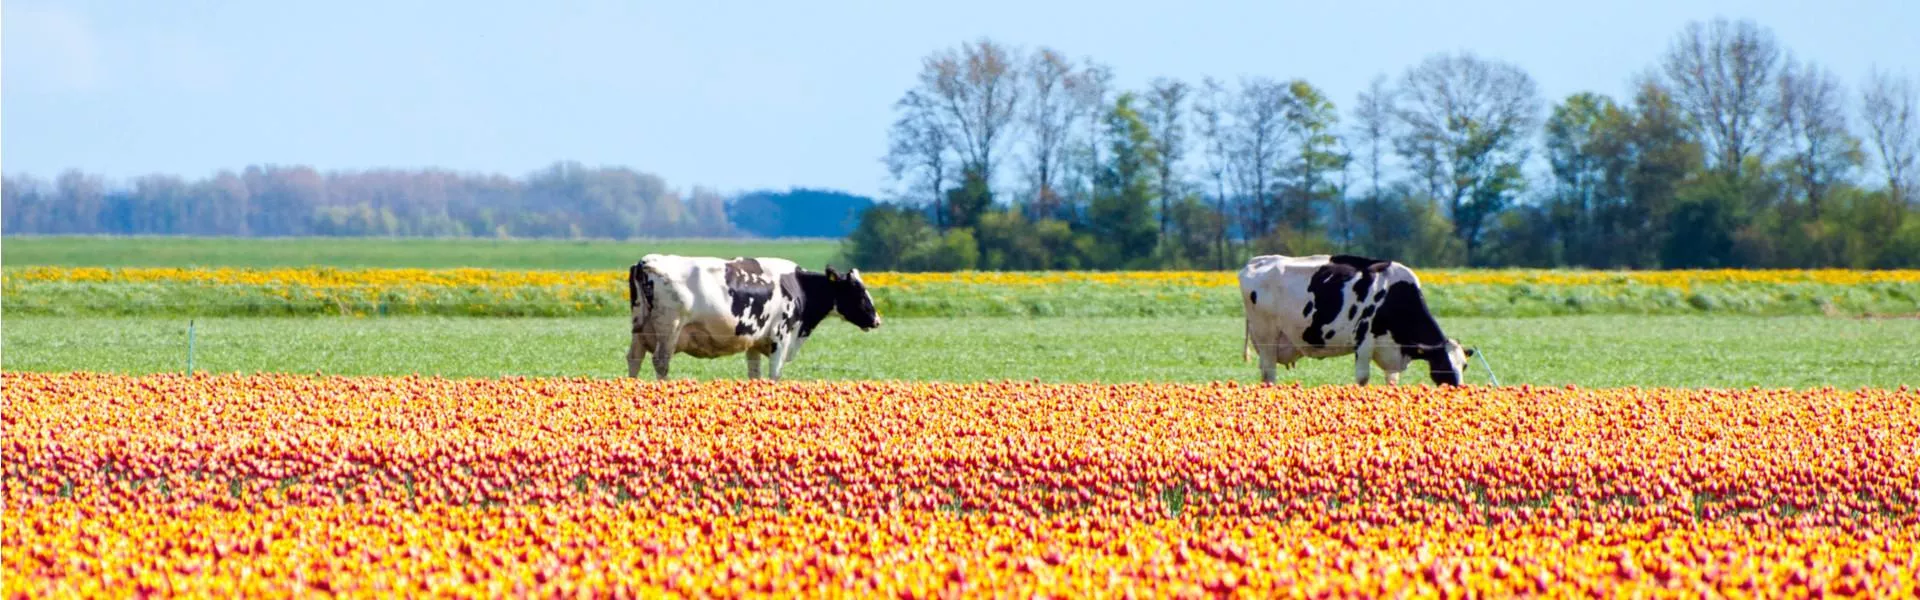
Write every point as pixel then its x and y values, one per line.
pixel 1730 152
pixel 565 200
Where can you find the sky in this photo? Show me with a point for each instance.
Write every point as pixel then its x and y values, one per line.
pixel 734 95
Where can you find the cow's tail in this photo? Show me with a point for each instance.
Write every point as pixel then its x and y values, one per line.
pixel 639 293
pixel 633 284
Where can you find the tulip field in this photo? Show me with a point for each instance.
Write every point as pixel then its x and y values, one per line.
pixel 278 484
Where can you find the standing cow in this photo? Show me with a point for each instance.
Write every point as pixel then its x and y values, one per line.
pixel 712 307
pixel 1324 306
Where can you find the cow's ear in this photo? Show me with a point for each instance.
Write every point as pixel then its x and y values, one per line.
pixel 1469 353
pixel 831 274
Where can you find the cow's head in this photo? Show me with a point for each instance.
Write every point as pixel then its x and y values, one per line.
pixel 850 298
pixel 1447 363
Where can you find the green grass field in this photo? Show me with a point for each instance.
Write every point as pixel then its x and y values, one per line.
pixel 1587 350
pixel 93 251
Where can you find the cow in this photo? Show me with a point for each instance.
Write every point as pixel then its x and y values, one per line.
pixel 710 307
pixel 1326 306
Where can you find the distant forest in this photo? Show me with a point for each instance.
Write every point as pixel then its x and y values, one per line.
pixel 566 200
pixel 1730 151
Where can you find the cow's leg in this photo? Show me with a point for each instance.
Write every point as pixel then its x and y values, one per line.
pixel 1391 360
pixel 1362 361
pixel 793 347
pixel 636 354
pixel 664 345
pixel 1267 359
pixel 753 365
pixel 782 351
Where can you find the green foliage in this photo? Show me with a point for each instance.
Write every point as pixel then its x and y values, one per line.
pixel 1588 351
pixel 966 203
pixel 1121 216
pixel 885 236
pixel 1308 186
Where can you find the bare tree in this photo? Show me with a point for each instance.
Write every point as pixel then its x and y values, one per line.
pixel 1090 96
pixel 1722 73
pixel 920 150
pixel 1259 112
pixel 1373 116
pixel 1164 107
pixel 977 88
pixel 1888 106
pixel 1467 121
pixel 1210 113
pixel 1812 114
pixel 1051 111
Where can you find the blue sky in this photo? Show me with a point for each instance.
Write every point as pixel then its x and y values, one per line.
pixel 733 95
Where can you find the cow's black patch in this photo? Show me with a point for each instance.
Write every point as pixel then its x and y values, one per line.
pixel 1359 263
pixel 1368 313
pixel 1328 288
pixel 1308 310
pixel 1405 317
pixel 750 289
pixel 1351 311
pixel 812 297
pixel 1253 297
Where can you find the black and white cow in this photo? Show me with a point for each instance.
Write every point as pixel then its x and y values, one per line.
pixel 711 307
pixel 1325 306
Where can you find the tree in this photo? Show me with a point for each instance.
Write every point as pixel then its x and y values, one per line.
pixel 1210 112
pixel 1090 96
pixel 1812 114
pixel 1311 121
pixel 1650 156
pixel 1722 76
pixel 1120 216
pixel 1163 117
pixel 969 200
pixel 1578 149
pixel 1465 125
pixel 1050 112
pixel 1887 106
pixel 1259 112
pixel 977 89
pixel 1374 131
pixel 886 233
pixel 920 150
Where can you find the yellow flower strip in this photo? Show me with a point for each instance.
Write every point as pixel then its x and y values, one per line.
pixel 613 278
pixel 323 277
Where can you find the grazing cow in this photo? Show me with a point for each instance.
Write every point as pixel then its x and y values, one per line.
pixel 712 307
pixel 1324 306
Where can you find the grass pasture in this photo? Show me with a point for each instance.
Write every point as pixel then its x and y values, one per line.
pixel 479 308
pixel 1589 351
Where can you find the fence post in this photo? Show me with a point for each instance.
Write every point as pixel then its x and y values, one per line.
pixel 189 346
pixel 1488 364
